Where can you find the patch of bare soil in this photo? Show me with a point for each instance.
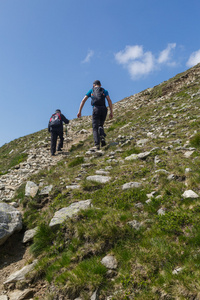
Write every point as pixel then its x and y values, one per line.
pixel 13 256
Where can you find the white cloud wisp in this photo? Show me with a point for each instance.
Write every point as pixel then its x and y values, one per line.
pixel 140 63
pixel 165 55
pixel 193 59
pixel 88 57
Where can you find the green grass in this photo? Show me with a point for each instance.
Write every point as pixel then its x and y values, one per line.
pixel 75 162
pixel 70 255
pixel 195 140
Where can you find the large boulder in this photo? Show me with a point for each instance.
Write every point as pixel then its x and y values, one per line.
pixel 10 221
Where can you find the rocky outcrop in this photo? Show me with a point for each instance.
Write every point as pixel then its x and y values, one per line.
pixel 10 221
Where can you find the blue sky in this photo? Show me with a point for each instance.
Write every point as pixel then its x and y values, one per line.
pixel 52 50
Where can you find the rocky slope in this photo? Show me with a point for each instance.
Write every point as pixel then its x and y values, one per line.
pixel 119 223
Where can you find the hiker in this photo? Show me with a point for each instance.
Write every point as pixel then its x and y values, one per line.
pixel 55 127
pixel 98 95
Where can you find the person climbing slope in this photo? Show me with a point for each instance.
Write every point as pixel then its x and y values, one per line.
pixel 98 96
pixel 55 127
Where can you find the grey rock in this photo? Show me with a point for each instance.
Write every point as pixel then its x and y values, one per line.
pixel 187 154
pixel 29 235
pixel 157 160
pixel 144 155
pixel 21 295
pixel 95 296
pixel 190 194
pixel 135 224
pixel 177 270
pixel 132 157
pixel 130 185
pixel 99 178
pixel 31 189
pixel 10 221
pixel 46 190
pixel 73 186
pixel 20 274
pixel 151 195
pixel 142 142
pixel 139 205
pixel 109 262
pixel 171 177
pixel 83 131
pixel 68 212
pixel 162 171
pixel 161 212
pixel 3 297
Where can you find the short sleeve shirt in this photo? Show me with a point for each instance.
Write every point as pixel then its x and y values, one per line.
pixel 90 93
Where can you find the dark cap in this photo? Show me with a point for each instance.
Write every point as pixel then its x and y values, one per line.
pixel 97 82
pixel 58 111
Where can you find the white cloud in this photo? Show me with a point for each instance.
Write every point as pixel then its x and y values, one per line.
pixel 135 60
pixel 165 55
pixel 193 59
pixel 130 53
pixel 143 66
pixel 140 63
pixel 88 56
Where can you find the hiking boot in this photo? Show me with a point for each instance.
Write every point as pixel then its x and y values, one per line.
pixel 103 142
pixel 95 148
pixel 59 149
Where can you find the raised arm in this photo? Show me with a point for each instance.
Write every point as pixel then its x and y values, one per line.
pixel 81 106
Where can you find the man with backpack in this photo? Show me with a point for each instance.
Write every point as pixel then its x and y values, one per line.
pixel 55 127
pixel 98 96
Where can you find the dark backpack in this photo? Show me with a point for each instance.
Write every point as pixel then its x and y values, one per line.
pixel 98 97
pixel 55 120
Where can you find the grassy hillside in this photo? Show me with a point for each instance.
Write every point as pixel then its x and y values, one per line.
pixel 158 252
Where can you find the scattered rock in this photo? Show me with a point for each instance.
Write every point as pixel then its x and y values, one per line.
pixel 73 186
pixel 21 295
pixel 99 178
pixel 177 270
pixel 20 275
pixel 46 190
pixel 3 297
pixel 29 235
pixel 109 262
pixel 31 189
pixel 135 224
pixel 132 157
pixel 190 194
pixel 68 212
pixel 161 211
pixel 187 154
pixel 131 185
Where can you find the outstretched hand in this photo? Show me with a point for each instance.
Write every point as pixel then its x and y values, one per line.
pixel 79 115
